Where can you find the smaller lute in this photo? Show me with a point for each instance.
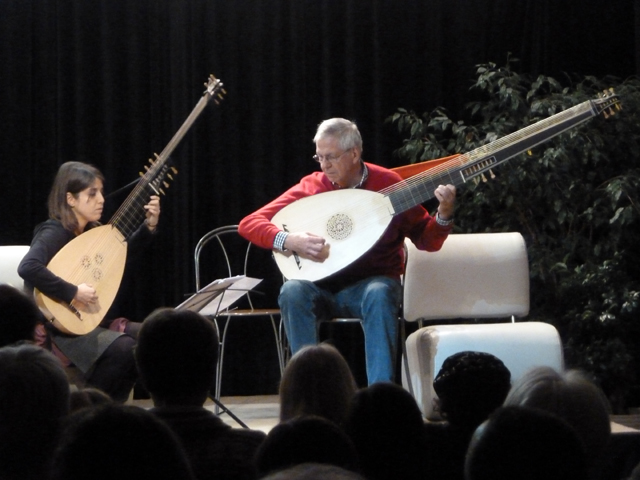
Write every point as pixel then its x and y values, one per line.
pixel 98 256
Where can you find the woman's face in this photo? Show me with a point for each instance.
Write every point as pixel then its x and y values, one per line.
pixel 87 205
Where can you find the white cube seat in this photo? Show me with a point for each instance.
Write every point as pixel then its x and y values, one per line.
pixel 521 346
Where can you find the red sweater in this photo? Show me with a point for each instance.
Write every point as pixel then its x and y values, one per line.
pixel 386 257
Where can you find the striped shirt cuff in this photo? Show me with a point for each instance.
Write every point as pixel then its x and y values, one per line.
pixel 278 242
pixel 443 222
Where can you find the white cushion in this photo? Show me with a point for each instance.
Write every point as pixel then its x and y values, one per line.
pixel 474 275
pixel 10 258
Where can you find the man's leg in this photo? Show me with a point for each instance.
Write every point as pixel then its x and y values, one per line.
pixel 300 304
pixel 376 301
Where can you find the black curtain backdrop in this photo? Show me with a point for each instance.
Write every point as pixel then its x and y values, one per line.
pixel 110 81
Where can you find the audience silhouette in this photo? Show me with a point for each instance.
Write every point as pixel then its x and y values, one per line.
pixel 316 381
pixel 525 444
pixel 177 354
pixel 387 429
pixel 87 397
pixel 19 316
pixel 122 442
pixel 305 439
pixel 34 399
pixel 470 386
pixel 549 425
pixel 314 471
pixel 574 397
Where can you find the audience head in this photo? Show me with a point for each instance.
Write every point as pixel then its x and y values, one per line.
pixel 177 354
pixel 19 316
pixel 635 473
pixel 87 397
pixel 305 439
pixel 314 471
pixel 316 381
pixel 387 429
pixel 34 398
pixel 471 385
pixel 525 444
pixel 142 446
pixel 571 396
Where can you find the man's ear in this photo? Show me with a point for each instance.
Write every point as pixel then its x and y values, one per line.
pixel 355 154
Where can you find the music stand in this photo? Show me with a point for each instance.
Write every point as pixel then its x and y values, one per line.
pixel 218 297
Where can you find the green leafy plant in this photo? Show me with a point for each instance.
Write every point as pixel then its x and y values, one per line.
pixel 575 199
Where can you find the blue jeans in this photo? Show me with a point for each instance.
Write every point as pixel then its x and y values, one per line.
pixel 375 301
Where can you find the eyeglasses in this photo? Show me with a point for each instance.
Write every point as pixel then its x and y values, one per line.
pixel 329 158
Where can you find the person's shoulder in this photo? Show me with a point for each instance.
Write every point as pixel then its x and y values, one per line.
pixel 380 177
pixel 314 178
pixel 50 223
pixel 246 435
pixel 52 227
pixel 381 171
pixel 313 183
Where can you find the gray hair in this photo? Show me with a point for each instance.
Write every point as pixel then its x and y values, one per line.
pixel 571 395
pixel 344 130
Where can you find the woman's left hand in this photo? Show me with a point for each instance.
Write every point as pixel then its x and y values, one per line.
pixel 153 212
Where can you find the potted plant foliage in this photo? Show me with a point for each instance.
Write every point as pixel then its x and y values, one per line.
pixel 575 199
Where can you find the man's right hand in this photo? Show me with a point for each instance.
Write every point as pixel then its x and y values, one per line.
pixel 307 245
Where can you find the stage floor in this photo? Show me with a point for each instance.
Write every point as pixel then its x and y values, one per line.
pixel 261 412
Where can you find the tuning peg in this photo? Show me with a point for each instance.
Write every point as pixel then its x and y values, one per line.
pixel 476 180
pixel 161 191
pixel 166 185
pixel 491 174
pixel 174 170
pixel 484 179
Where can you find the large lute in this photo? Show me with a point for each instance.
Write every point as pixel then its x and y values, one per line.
pixel 352 221
pixel 98 256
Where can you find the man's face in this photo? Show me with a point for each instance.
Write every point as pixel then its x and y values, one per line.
pixel 340 166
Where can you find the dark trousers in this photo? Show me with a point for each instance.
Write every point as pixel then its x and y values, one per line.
pixel 115 372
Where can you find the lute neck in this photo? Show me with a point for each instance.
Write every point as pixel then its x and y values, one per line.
pixel 457 171
pixel 131 213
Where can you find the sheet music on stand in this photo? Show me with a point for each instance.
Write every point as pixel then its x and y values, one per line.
pixel 216 298
pixel 219 295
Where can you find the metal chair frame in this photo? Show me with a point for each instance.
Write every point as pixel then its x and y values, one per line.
pixel 217 235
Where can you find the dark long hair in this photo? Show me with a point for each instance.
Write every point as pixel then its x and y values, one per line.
pixel 72 177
